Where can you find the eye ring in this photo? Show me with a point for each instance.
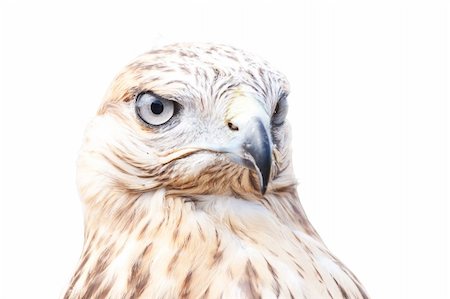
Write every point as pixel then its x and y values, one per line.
pixel 153 109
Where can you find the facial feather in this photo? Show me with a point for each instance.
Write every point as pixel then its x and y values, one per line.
pixel 177 210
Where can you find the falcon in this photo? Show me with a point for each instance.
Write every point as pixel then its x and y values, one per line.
pixel 187 184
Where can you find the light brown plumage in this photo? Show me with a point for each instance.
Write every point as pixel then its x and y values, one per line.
pixel 170 214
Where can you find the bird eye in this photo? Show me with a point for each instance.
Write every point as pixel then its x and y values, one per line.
pixel 280 112
pixel 153 109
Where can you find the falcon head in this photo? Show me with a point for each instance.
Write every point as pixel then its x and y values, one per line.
pixel 193 120
pixel 188 189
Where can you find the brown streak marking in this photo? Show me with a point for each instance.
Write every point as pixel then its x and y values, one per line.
pixel 277 286
pixel 299 267
pixel 290 293
pixel 90 238
pixel 79 270
pixel 217 235
pixel 105 290
pixel 184 69
pixel 173 261
pixel 351 276
pixel 186 241
pixel 320 276
pixel 147 249
pixel 246 235
pixel 177 229
pixel 200 230
pixel 358 285
pixel 266 202
pixel 92 287
pixel 298 239
pixel 294 208
pixel 343 292
pixel 205 294
pixel 308 250
pixel 138 278
pixel 101 265
pixel 251 279
pixel 134 270
pixel 273 252
pixel 159 226
pixel 232 57
pixel 323 251
pixel 139 286
pixel 144 229
pixel 232 227
pixel 255 82
pixel 217 257
pixel 185 289
pixel 328 291
pixel 68 293
pixel 218 254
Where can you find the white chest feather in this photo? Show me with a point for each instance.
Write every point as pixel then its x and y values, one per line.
pixel 226 248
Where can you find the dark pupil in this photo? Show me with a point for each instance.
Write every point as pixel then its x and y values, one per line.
pixel 157 107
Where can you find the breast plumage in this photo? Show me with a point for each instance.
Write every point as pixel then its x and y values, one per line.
pixel 186 179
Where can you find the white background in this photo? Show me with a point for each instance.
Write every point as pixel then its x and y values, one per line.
pixel 369 110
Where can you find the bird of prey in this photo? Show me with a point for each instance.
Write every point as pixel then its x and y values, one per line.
pixel 187 183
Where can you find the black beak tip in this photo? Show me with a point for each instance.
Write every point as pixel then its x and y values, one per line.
pixel 264 175
pixel 263 188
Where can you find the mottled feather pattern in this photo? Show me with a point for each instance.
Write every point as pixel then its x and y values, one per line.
pixel 165 218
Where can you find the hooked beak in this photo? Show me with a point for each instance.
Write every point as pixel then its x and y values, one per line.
pixel 257 149
pixel 253 149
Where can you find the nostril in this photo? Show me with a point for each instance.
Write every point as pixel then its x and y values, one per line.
pixel 232 127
